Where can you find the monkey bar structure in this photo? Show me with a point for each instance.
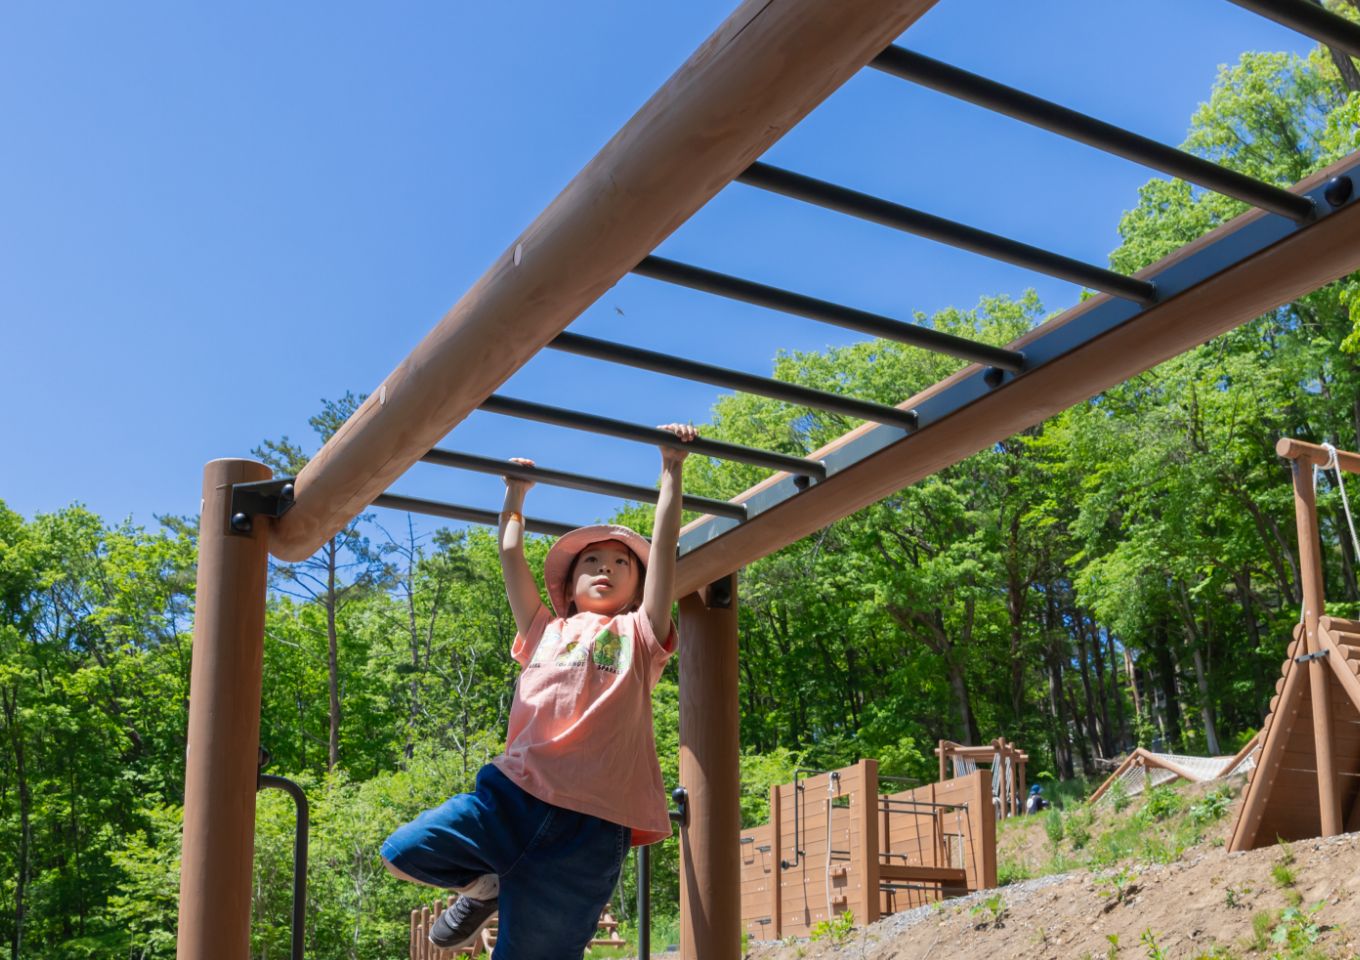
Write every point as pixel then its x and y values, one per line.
pixel 1006 763
pixel 1306 782
pixel 763 70
pixel 834 844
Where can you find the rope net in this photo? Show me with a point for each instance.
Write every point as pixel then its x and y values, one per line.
pixel 1140 776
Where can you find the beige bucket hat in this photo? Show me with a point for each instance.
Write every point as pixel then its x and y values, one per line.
pixel 563 553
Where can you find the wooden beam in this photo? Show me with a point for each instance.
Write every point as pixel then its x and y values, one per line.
pixel 765 68
pixel 867 810
pixel 906 873
pixel 1293 449
pixel 1262 780
pixel 710 885
pixel 222 754
pixel 1298 263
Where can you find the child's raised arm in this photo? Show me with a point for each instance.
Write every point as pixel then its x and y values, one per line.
pixel 520 585
pixel 660 584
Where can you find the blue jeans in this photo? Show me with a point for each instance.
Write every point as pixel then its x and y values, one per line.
pixel 557 867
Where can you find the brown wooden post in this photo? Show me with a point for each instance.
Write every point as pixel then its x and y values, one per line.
pixel 776 871
pixel 710 891
pixel 868 847
pixel 222 756
pixel 1310 573
pixel 940 751
pixel 1023 797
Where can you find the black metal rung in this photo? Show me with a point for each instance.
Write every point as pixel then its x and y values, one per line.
pixel 453 511
pixel 733 379
pixel 576 481
pixel 1311 20
pixel 527 410
pixel 898 217
pixel 912 66
pixel 1306 657
pixel 773 298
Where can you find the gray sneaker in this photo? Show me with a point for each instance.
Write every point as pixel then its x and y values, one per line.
pixel 462 923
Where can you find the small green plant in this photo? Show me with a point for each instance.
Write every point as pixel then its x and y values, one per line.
pixel 1260 930
pixel 1297 930
pixel 838 929
pixel 1117 887
pixel 1149 941
pixel 1282 875
pixel 1119 797
pixel 1053 826
pixel 1161 803
pixel 1212 806
pixel 1112 951
pixel 1078 827
pixel 991 910
pixel 1234 896
pixel 1286 852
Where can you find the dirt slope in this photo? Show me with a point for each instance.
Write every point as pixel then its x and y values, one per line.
pixel 1205 903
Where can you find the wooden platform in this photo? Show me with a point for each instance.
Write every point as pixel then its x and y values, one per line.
pixel 1281 801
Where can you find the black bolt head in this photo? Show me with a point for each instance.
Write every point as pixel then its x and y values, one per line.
pixel 287 491
pixel 802 481
pixel 240 522
pixel 1338 190
pixel 678 796
pixel 994 376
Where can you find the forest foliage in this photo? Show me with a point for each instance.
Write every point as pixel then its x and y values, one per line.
pixel 1124 573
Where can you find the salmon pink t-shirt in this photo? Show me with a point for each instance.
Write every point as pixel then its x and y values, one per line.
pixel 581 722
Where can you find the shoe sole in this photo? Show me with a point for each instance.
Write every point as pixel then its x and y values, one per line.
pixel 473 938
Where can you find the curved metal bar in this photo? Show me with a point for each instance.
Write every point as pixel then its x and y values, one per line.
pixel 898 217
pixel 733 379
pixel 1311 20
pixel 526 410
pixel 267 781
pixel 453 511
pixel 909 65
pixel 773 298
pixel 576 481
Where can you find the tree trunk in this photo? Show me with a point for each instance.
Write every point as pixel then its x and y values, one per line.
pixel 333 648
pixel 1092 738
pixel 1102 697
pixel 10 700
pixel 1197 643
pixel 1117 695
pixel 1166 676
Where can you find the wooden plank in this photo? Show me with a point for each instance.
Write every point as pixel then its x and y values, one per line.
pixel 1298 264
pixel 918 874
pixel 865 857
pixel 1260 786
pixel 776 911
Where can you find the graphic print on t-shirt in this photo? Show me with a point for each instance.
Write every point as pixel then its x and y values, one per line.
pixel 608 651
pixel 612 652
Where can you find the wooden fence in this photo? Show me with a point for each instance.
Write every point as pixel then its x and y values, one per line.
pixel 423 949
pixel 834 844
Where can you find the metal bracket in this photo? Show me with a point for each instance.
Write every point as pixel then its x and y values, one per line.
pixel 269 498
pixel 1305 657
pixel 680 815
pixel 720 594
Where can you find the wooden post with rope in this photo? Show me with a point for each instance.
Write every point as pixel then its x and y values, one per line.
pixel 1324 654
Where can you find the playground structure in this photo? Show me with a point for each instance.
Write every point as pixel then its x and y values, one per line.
pixel 833 844
pixel 764 69
pixel 1006 763
pixel 422 949
pixel 1306 782
pixel 1142 769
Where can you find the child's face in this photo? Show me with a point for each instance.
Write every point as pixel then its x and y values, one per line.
pixel 605 578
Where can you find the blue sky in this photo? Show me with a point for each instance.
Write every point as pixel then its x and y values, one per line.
pixel 214 215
